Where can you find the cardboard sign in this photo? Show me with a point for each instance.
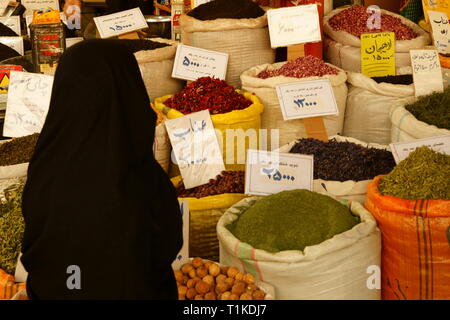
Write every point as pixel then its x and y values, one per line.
pixel 115 24
pixel 196 149
pixel 28 102
pixel 15 43
pixel 294 25
pixel 271 172
pixel 441 31
pixel 306 99
pixel 192 63
pixel 37 5
pixel 427 73
pixel 401 150
pixel 13 23
pixel 378 54
pixel 71 41
pixel 183 255
pixel 4 76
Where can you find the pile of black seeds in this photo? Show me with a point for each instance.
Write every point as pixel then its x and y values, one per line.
pixel 7 31
pixel 135 45
pixel 405 79
pixel 227 9
pixel 18 150
pixel 6 52
pixel 342 161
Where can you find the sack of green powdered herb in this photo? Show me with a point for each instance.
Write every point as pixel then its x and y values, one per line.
pixel 156 69
pixel 307 245
pixel 263 79
pixel 236 27
pixel 369 101
pixel 15 155
pixel 344 26
pixel 423 117
pixel 343 166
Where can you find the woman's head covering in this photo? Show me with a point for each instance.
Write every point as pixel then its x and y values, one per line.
pixel 95 196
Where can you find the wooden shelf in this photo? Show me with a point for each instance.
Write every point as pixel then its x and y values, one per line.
pixel 159 6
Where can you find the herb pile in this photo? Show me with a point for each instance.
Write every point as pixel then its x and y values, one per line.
pixel 425 174
pixel 227 182
pixel 18 150
pixel 227 9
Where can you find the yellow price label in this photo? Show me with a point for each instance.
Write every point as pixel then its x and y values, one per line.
pixel 378 54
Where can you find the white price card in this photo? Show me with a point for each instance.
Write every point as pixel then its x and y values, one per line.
pixel 401 150
pixel 28 102
pixel 441 30
pixel 427 73
pixel 15 43
pixel 306 99
pixel 272 172
pixel 183 255
pixel 196 148
pixel 71 41
pixel 13 23
pixel 120 23
pixel 37 5
pixel 294 25
pixel 192 63
pixel 197 3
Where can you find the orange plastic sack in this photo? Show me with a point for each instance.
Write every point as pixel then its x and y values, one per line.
pixel 415 257
pixel 8 288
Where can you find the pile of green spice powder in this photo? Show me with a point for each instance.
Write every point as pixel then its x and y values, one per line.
pixel 425 174
pixel 12 227
pixel 292 220
pixel 433 109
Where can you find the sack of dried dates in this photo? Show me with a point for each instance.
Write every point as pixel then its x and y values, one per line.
pixel 236 27
pixel 344 26
pixel 263 79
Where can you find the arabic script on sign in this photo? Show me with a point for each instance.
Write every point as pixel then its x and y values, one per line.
pixel 378 54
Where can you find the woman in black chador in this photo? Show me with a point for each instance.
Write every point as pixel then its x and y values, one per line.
pixel 102 219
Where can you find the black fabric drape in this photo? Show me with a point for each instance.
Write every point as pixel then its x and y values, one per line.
pixel 95 196
pixel 120 5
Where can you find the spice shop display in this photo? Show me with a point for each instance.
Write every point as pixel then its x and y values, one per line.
pixel 207 280
pixel 207 203
pixel 344 26
pixel 239 29
pixel 423 117
pixel 15 155
pixel 369 101
pixel 299 241
pixel 260 81
pixel 412 209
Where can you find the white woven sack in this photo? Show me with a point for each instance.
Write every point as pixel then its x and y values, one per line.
pixel 336 269
pixel 245 40
pixel 346 190
pixel 368 105
pixel 162 147
pixel 405 127
pixel 156 69
pixel 272 117
pixel 14 171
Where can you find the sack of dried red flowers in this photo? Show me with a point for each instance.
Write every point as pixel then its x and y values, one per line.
pixel 263 79
pixel 344 26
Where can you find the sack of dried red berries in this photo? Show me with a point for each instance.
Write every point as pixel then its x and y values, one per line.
pixel 238 28
pixel 344 26
pixel 263 79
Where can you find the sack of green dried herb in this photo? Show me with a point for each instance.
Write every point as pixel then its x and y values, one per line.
pixel 15 155
pixel 407 127
pixel 369 101
pixel 246 41
pixel 333 269
pixel 348 189
pixel 156 69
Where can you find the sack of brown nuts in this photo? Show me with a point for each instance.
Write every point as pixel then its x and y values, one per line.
pixel 207 280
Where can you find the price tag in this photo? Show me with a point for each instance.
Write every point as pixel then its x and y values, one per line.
pixel 441 31
pixel 121 22
pixel 378 54
pixel 13 23
pixel 4 76
pixel 401 150
pixel 71 41
pixel 28 102
pixel 192 63
pixel 294 25
pixel 196 148
pixel 306 99
pixel 272 172
pixel 15 43
pixel 183 255
pixel 38 5
pixel 427 72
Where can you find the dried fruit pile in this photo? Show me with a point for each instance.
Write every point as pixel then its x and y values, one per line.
pixel 301 67
pixel 206 280
pixel 354 21
pixel 207 93
pixel 227 182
